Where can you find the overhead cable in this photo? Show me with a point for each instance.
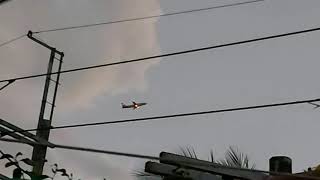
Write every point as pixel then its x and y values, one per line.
pixel 146 17
pixel 12 40
pixel 9 82
pixel 130 19
pixel 157 118
pixel 170 54
pixel 82 149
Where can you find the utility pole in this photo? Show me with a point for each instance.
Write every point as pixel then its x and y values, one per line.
pixel 47 108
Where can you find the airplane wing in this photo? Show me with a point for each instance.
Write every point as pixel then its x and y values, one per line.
pixel 141 104
pixel 126 106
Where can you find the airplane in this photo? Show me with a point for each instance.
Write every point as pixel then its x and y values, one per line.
pixel 316 105
pixel 134 105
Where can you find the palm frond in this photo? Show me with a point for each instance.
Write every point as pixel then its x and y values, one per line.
pixel 212 156
pixel 189 152
pixel 235 158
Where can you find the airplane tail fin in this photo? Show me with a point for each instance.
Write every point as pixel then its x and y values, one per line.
pixel 123 105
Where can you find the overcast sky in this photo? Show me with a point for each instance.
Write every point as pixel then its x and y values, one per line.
pixel 271 71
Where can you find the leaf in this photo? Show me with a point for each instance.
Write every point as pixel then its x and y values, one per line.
pixel 29 173
pixel 235 158
pixel 18 154
pixel 53 171
pixel 212 156
pixel 65 174
pixel 8 164
pixel 28 161
pixel 63 171
pixel 189 152
pixel 17 173
pixel 6 156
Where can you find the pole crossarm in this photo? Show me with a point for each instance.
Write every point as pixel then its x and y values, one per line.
pixel 30 33
pixel 25 133
pixel 5 131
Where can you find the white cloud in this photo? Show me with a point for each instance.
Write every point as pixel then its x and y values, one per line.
pixel 83 88
pixel 20 102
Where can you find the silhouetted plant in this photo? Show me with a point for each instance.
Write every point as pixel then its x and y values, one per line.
pixel 233 158
pixel 19 172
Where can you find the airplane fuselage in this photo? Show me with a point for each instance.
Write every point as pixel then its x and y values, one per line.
pixel 134 105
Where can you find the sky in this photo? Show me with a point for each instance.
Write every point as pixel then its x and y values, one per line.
pixel 271 71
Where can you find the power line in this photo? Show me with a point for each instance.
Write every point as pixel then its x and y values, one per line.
pixel 9 82
pixel 171 54
pixel 12 40
pixel 148 157
pixel 130 19
pixel 146 17
pixel 154 118
pixel 82 149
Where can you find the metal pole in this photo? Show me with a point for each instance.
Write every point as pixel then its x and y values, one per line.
pixel 39 152
pixel 43 132
pixel 56 86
